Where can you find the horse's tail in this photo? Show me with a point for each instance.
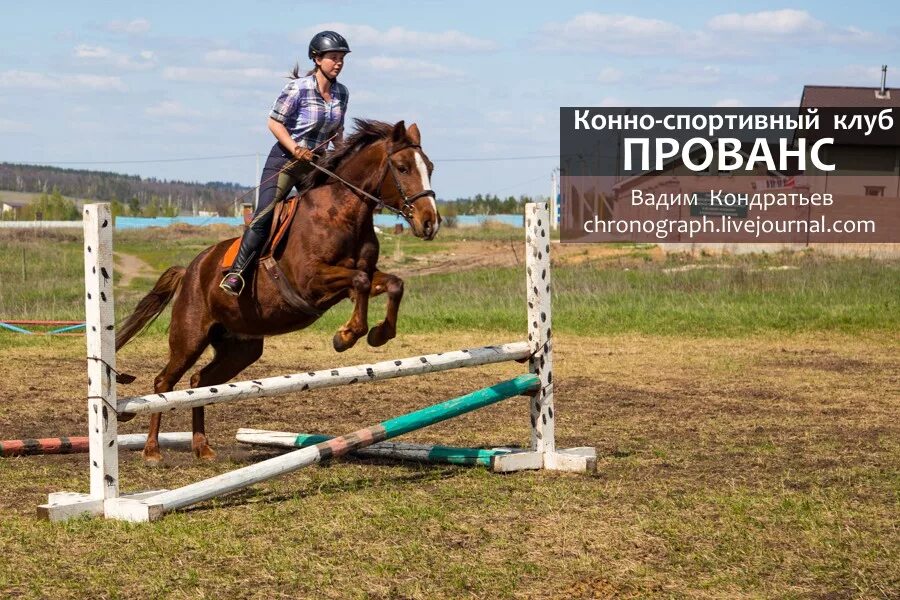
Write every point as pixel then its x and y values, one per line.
pixel 151 305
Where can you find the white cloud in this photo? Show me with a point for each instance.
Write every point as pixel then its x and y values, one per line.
pixel 732 35
pixel 728 103
pixel 183 128
pixel 774 22
pixel 619 34
pixel 10 126
pixel 27 80
pixel 252 97
pixel 94 82
pixel 86 51
pixel 101 55
pixel 689 75
pixel 412 68
pixel 238 76
pixel 854 36
pixel 171 109
pixel 856 75
pixel 795 27
pixel 73 82
pixel 233 58
pixel 133 27
pixel 402 40
pixel 610 75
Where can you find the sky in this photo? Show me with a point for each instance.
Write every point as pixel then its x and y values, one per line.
pixel 182 90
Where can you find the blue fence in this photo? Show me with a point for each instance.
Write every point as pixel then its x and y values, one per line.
pixel 383 221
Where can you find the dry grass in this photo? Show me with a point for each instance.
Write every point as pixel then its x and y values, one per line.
pixel 760 468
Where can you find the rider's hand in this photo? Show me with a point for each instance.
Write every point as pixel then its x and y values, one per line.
pixel 301 153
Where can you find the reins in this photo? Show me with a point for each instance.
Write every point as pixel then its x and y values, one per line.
pixel 379 203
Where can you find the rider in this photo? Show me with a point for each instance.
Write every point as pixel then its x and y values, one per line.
pixel 306 116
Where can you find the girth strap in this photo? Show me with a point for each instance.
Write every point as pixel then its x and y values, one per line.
pixel 290 295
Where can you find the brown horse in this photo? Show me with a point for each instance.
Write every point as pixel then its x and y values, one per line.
pixel 330 253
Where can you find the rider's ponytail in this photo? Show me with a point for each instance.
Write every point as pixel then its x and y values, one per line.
pixel 295 74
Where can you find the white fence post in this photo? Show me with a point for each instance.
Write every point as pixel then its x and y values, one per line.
pixel 537 276
pixel 101 351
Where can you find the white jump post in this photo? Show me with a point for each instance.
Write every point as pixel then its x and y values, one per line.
pixel 100 334
pixel 103 407
pixel 543 453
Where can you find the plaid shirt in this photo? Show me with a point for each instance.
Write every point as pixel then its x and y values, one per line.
pixel 307 116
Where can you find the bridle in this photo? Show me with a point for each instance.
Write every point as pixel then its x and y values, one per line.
pixel 408 201
pixel 406 207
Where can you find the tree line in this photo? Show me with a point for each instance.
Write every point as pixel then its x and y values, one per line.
pixel 489 204
pixel 132 191
pixel 132 195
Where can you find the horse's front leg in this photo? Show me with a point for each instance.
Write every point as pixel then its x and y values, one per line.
pixel 393 286
pixel 337 280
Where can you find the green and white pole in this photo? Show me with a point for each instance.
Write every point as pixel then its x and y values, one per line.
pixel 155 506
pixel 429 453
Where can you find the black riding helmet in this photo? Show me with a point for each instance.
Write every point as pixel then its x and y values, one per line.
pixel 327 41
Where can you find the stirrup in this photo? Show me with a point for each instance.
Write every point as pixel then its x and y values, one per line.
pixel 227 288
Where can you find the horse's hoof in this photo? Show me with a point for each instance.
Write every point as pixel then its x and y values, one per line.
pixel 125 417
pixel 378 337
pixel 125 378
pixel 152 458
pixel 205 453
pixel 340 343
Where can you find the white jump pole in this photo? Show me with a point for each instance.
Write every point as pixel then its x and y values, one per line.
pixel 312 380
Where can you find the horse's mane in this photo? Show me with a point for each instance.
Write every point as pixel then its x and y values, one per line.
pixel 367 132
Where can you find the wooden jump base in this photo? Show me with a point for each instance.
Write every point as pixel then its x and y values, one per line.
pixel 75 445
pixel 103 407
pixel 391 450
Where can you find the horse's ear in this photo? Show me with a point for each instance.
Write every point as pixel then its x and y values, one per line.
pixel 413 133
pixel 399 134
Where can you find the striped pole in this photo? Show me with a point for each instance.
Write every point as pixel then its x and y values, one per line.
pixel 79 444
pixel 313 380
pixel 154 506
pixel 392 450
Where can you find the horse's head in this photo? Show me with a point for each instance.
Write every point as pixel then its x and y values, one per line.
pixel 407 182
pixel 387 161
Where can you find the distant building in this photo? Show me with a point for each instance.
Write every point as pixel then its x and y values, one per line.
pixel 877 165
pixel 13 207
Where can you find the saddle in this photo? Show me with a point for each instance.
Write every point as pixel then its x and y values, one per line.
pixel 281 222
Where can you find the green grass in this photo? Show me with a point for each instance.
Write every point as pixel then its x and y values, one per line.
pixel 822 294
pixel 51 283
pixel 745 417
pixel 730 296
pixel 166 246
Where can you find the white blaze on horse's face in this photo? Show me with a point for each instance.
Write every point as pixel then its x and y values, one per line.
pixel 427 220
pixel 426 185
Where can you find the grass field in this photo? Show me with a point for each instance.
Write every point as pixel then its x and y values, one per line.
pixel 745 412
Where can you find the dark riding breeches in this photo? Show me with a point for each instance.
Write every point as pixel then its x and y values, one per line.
pixel 276 182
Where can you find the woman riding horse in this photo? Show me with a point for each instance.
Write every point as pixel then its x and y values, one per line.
pixel 330 253
pixel 307 115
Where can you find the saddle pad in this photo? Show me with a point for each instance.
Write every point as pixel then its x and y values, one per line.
pixel 284 214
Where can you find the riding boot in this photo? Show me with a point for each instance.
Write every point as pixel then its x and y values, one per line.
pixel 252 244
pixel 257 233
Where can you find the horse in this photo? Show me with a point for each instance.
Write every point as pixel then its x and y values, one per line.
pixel 330 253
